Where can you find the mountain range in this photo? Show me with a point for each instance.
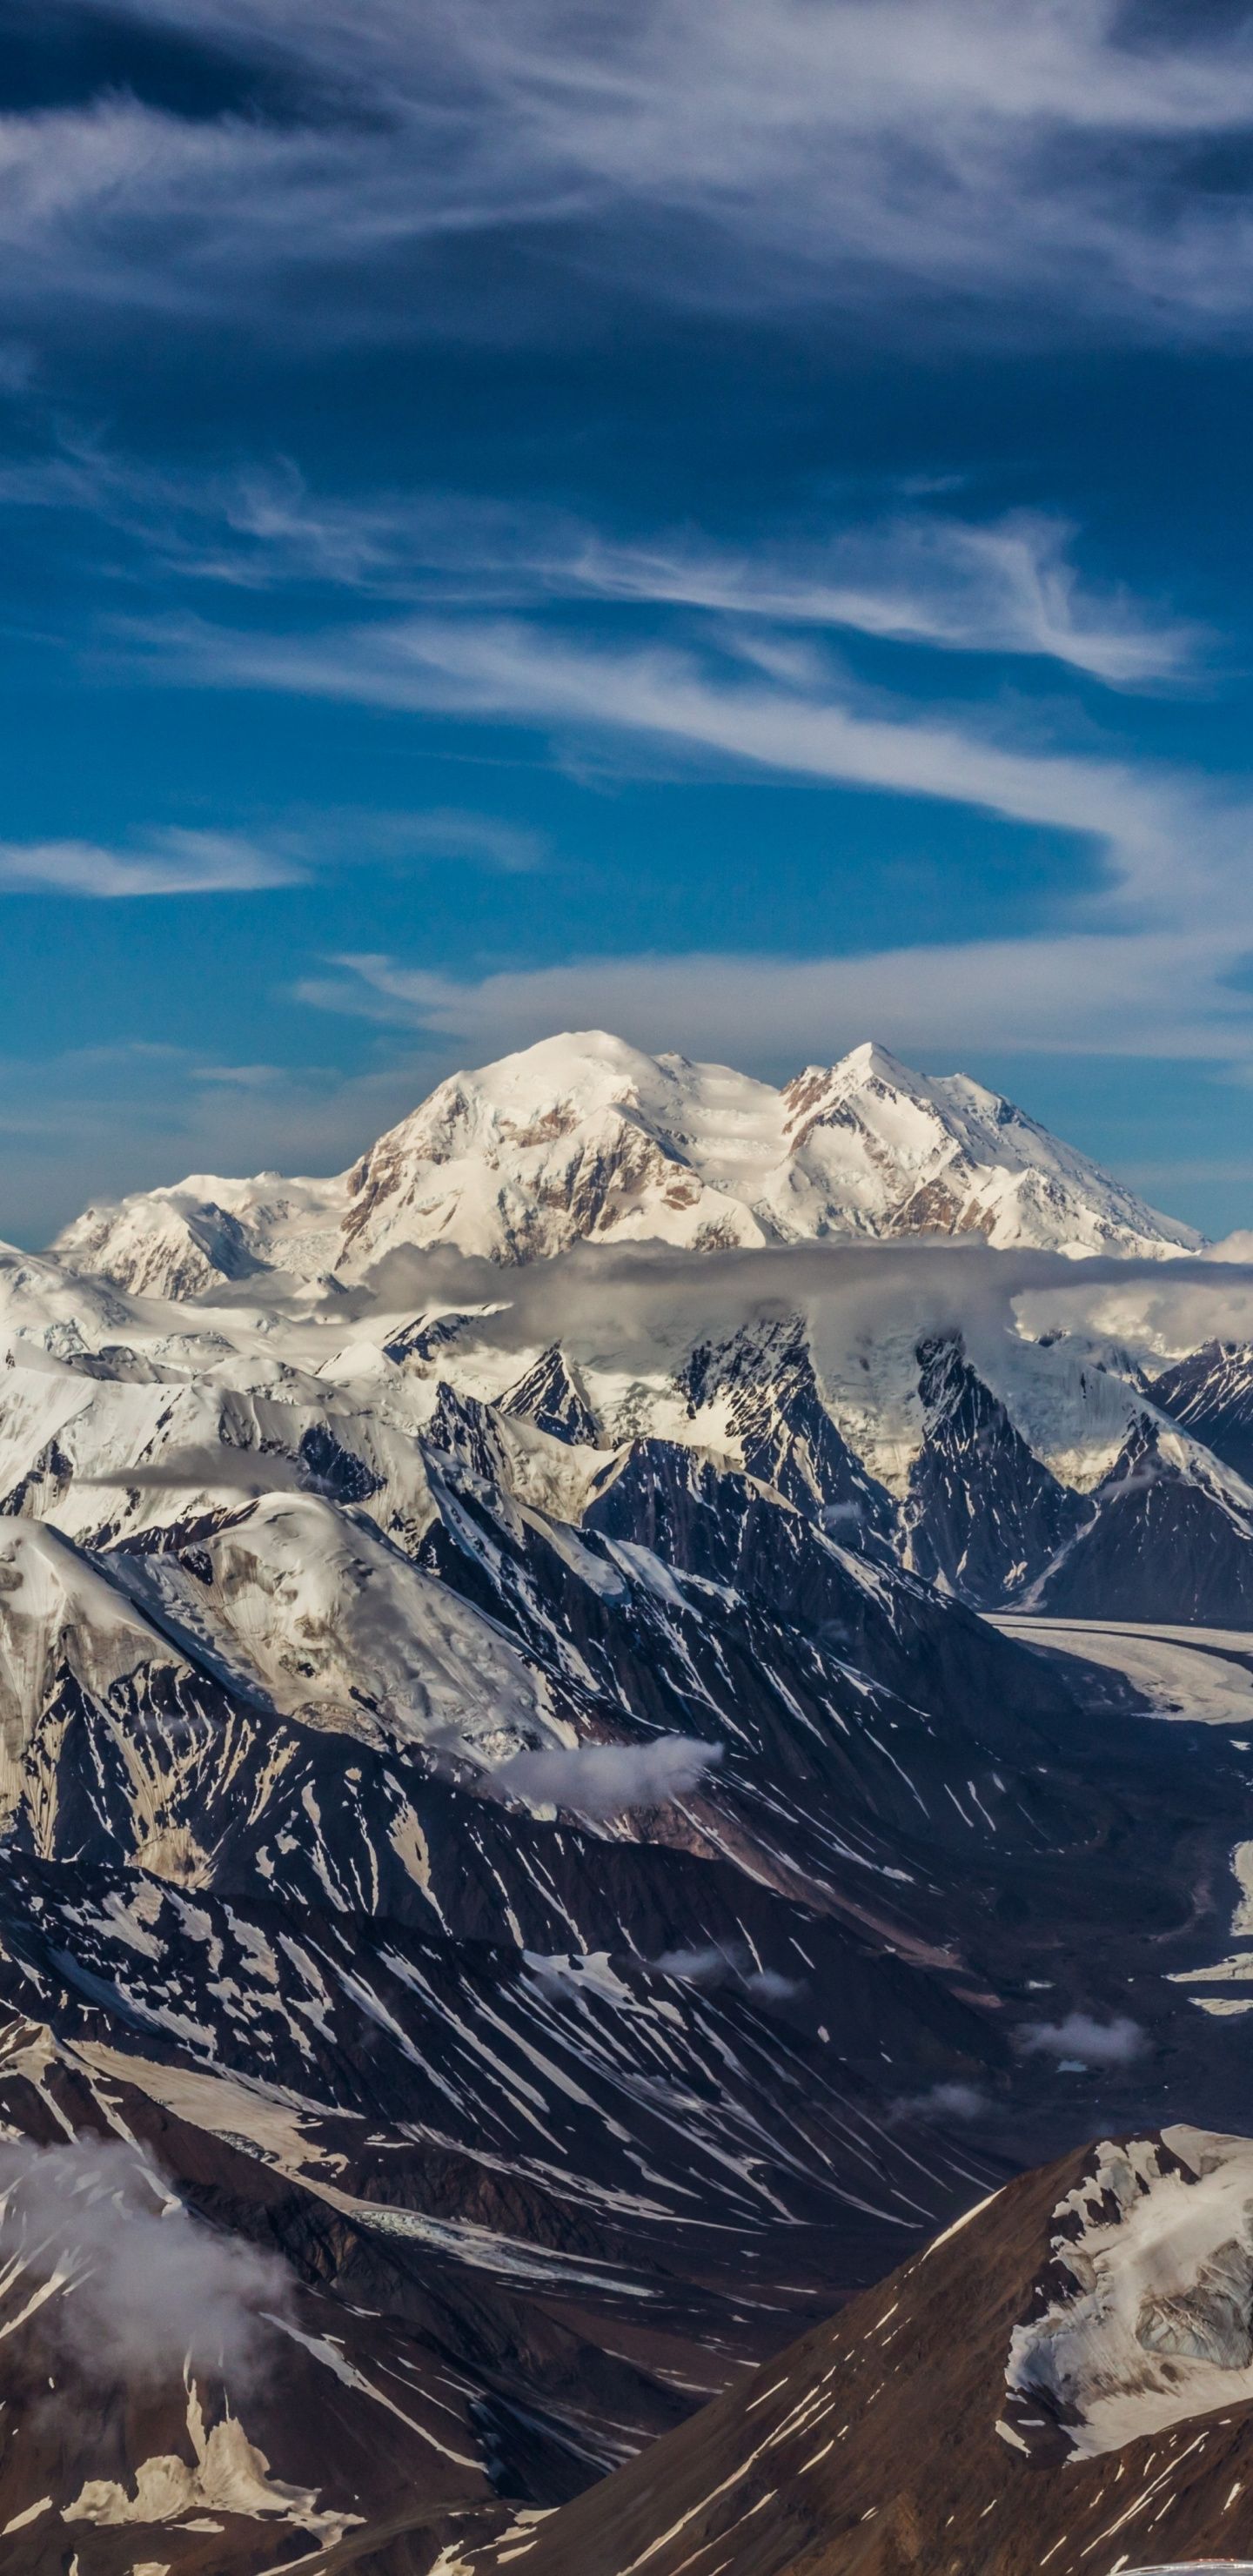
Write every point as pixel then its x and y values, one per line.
pixel 604 1721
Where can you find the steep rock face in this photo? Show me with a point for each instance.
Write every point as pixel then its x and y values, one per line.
pixel 983 1516
pixel 583 1138
pixel 275 1696
pixel 931 1729
pixel 1170 1537
pixel 760 1389
pixel 725 1529
pixel 552 1397
pixel 755 1634
pixel 1210 1395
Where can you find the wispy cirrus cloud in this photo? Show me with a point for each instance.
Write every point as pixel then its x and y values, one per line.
pixel 1004 587
pixel 1040 156
pixel 1141 962
pixel 999 586
pixel 171 862
pixel 777 706
pixel 441 832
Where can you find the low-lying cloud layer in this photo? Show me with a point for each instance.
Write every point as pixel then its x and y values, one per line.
pixel 638 1300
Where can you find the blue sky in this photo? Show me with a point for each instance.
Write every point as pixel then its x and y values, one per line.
pixel 732 527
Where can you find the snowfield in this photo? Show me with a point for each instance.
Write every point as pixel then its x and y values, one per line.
pixel 1149 2322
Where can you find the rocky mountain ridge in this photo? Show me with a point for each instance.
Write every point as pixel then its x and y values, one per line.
pixel 1060 2379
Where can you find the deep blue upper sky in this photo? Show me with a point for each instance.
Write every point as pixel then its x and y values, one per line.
pixel 730 526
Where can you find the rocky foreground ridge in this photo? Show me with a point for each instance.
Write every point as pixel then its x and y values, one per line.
pixel 1062 2379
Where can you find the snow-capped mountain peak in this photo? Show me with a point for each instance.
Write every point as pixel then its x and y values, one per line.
pixel 906 1153
pixel 579 1136
pixel 584 1137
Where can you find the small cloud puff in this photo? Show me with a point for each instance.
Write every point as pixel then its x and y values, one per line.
pixel 1083 2041
pixel 720 1962
pixel 942 2102
pixel 602 1780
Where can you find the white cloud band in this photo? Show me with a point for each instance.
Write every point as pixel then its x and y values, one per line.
pixel 1157 995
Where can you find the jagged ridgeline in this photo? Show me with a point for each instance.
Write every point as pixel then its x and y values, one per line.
pixel 605 1720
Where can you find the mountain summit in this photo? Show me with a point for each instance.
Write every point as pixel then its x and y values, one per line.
pixel 585 1138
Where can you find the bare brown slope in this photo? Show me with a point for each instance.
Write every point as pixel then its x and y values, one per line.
pixel 871 2446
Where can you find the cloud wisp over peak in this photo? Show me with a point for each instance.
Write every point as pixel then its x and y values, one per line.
pixel 1163 994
